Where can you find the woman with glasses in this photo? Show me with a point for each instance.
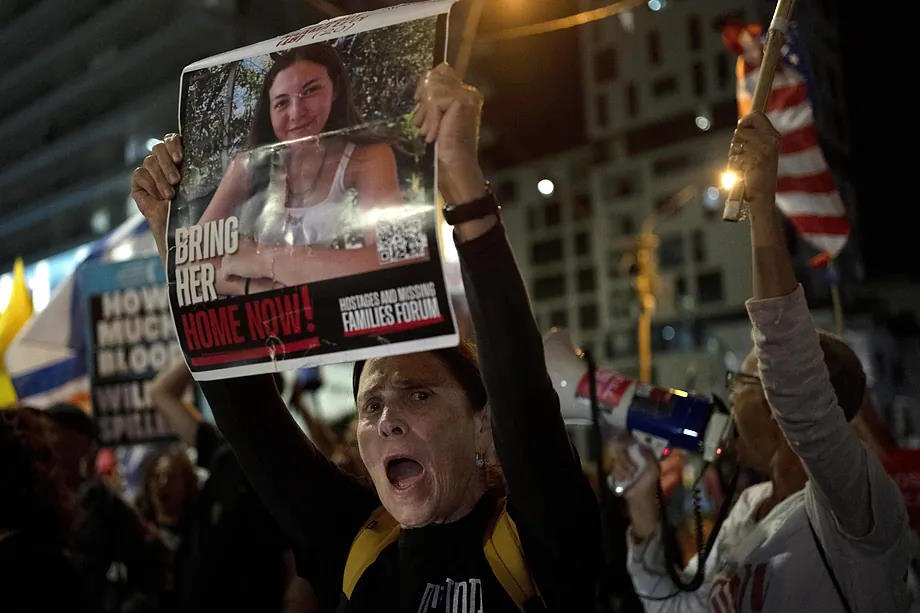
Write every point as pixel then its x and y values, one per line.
pixel 828 530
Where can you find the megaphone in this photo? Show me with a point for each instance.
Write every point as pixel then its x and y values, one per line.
pixel 660 418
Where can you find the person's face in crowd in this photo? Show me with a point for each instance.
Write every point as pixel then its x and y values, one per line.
pixel 418 436
pixel 170 488
pixel 300 100
pixel 757 431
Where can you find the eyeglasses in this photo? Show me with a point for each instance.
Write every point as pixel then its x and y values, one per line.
pixel 739 378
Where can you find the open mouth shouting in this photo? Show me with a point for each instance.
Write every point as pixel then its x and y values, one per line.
pixel 403 472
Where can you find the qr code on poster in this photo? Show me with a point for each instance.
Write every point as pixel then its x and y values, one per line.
pixel 401 239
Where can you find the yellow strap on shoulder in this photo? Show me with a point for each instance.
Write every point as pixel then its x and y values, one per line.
pixel 503 550
pixel 501 545
pixel 377 534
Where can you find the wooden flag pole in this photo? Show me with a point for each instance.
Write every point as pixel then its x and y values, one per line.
pixel 826 262
pixel 776 38
pixel 834 279
pixel 838 309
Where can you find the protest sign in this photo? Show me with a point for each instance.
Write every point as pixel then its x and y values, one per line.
pixel 130 338
pixel 304 231
pixel 904 467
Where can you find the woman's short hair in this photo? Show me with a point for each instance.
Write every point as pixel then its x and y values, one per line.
pixel 846 373
pixel 344 114
pixel 462 363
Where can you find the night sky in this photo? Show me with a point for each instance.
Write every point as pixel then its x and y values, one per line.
pixel 533 85
pixel 882 120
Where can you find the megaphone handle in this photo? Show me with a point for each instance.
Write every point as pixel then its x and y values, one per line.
pixel 635 454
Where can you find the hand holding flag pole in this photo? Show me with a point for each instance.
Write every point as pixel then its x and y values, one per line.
pixel 776 38
pixel 824 261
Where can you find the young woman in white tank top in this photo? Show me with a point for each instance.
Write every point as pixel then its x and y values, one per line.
pixel 284 219
pixel 284 242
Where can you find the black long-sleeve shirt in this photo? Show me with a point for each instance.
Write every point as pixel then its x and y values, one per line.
pixel 321 509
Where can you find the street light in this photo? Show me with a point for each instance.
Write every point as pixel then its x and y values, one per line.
pixel 728 179
pixel 668 333
pixel 546 187
pixel 100 221
pixel 711 197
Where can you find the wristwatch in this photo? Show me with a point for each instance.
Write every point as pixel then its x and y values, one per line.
pixel 476 209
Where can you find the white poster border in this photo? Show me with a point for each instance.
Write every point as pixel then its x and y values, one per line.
pixel 330 29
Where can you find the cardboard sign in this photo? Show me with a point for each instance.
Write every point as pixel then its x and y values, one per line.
pixel 130 338
pixel 304 231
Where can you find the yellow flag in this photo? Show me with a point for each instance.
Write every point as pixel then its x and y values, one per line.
pixel 17 313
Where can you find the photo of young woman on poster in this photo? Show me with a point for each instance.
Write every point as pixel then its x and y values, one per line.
pixel 304 183
pixel 300 198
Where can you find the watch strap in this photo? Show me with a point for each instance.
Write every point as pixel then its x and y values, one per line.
pixel 475 209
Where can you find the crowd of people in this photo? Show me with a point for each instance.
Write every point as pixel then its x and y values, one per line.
pixel 456 487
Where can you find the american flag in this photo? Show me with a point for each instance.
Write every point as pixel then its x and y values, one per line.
pixel 806 192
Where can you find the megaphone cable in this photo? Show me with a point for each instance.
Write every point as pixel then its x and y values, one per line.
pixel 672 549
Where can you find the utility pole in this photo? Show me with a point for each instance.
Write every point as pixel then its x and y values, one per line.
pixel 646 286
pixel 647 280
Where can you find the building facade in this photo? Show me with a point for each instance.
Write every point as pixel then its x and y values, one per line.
pixel 660 109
